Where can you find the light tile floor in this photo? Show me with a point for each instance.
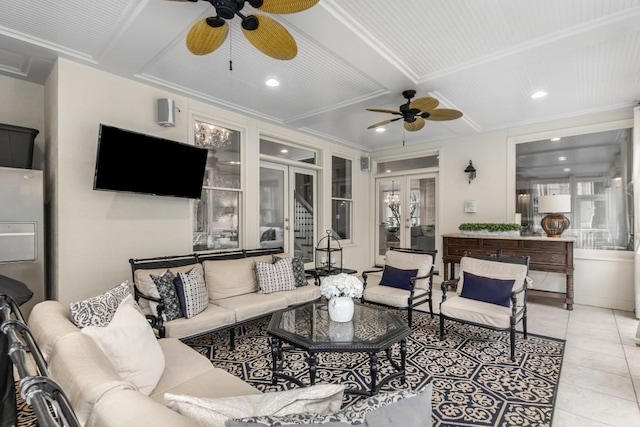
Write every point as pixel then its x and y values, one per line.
pixel 600 379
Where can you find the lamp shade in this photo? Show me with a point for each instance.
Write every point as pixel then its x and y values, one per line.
pixel 557 203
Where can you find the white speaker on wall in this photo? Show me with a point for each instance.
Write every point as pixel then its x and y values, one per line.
pixel 166 112
pixel 365 163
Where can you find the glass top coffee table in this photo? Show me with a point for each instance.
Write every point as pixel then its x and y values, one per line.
pixel 309 328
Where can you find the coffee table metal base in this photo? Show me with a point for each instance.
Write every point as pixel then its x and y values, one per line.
pixel 277 353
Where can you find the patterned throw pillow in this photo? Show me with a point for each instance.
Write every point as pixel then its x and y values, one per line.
pixel 192 292
pixel 168 295
pixel 297 266
pixel 275 277
pixel 98 310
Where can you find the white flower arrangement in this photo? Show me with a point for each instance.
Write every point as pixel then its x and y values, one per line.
pixel 341 285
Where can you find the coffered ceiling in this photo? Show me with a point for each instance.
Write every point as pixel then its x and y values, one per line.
pixel 482 57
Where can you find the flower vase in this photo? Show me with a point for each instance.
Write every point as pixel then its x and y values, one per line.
pixel 341 309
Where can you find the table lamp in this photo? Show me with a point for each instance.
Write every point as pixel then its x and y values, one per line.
pixel 555 205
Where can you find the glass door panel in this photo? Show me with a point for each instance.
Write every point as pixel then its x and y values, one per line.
pixel 406 213
pixel 304 202
pixel 274 206
pixel 287 209
pixel 389 214
pixel 420 223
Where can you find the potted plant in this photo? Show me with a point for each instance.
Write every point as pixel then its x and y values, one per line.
pixel 498 229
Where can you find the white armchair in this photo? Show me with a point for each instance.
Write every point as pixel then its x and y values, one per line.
pixel 405 282
pixel 491 292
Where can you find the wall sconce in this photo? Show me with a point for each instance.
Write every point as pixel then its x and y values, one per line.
pixel 471 171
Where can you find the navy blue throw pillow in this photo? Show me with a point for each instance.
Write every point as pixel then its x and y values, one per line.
pixel 397 278
pixel 486 289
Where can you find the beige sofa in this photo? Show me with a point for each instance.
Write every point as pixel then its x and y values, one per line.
pixel 234 296
pixel 97 393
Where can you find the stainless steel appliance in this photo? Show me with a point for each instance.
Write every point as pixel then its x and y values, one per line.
pixel 22 254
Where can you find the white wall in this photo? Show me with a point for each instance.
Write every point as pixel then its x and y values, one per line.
pixel 606 282
pixel 98 231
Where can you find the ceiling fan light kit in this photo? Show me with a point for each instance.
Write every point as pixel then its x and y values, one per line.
pixel 262 31
pixel 415 112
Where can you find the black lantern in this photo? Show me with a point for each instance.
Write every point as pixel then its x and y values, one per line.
pixel 328 255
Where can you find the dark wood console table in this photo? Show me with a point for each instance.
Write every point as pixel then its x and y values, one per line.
pixel 553 255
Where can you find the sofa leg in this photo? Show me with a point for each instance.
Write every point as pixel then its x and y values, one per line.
pixel 524 325
pixel 441 327
pixel 431 306
pixel 410 316
pixel 513 344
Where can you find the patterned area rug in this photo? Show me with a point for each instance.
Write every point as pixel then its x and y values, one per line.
pixel 474 381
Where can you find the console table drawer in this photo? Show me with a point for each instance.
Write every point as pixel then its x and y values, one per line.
pixel 470 242
pixel 453 251
pixel 545 245
pixel 501 244
pixel 543 258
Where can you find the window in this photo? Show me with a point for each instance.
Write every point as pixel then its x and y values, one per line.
pixel 341 197
pixel 216 215
pixel 595 169
pixel 408 164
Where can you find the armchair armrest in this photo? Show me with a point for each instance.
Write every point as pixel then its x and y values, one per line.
pixel 366 272
pixel 156 321
pixel 445 285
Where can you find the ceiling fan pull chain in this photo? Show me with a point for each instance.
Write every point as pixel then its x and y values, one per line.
pixel 230 50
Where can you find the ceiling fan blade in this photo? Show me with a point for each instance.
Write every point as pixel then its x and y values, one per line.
pixel 203 38
pixel 272 39
pixel 414 126
pixel 442 114
pixel 382 110
pixel 382 123
pixel 424 104
pixel 287 6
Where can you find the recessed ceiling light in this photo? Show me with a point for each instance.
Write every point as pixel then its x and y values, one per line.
pixel 557 138
pixel 284 150
pixel 566 170
pixel 539 94
pixel 562 158
pixel 379 129
pixel 388 170
pixel 272 83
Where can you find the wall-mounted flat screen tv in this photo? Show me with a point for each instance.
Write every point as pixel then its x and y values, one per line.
pixel 134 162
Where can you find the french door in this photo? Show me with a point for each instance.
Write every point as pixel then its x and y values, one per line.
pixel 288 208
pixel 406 213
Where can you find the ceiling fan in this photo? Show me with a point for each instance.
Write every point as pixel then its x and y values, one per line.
pixel 262 31
pixel 415 112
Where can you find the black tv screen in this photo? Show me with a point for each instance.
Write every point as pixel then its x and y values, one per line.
pixel 138 163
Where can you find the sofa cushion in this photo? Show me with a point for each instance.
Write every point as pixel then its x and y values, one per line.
pixel 301 295
pixel 167 292
pixel 98 310
pixel 386 409
pixel 192 292
pixel 131 408
pixel 131 346
pixel 409 261
pixel 396 297
pixel 253 305
pixel 495 270
pixel 212 317
pixel 84 372
pixel 48 322
pixel 230 278
pixel 321 399
pixel 188 372
pixel 480 312
pixel 275 277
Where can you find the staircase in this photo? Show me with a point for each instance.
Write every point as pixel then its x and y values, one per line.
pixel 303 238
